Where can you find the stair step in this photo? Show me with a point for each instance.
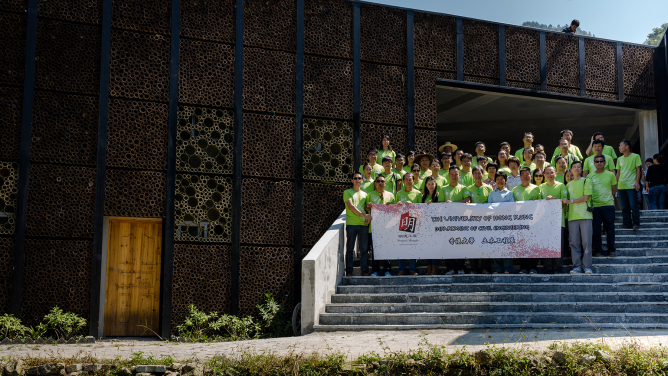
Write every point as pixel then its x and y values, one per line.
pixel 506 278
pixel 647 287
pixel 348 328
pixel 499 318
pixel 417 308
pixel 647 213
pixel 646 219
pixel 513 296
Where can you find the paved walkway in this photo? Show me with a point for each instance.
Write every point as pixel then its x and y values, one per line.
pixel 351 344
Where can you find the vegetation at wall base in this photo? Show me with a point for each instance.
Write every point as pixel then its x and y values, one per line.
pixel 63 325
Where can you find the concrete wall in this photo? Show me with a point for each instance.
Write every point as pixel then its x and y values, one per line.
pixel 322 270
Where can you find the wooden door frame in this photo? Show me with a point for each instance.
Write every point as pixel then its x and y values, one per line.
pixel 103 274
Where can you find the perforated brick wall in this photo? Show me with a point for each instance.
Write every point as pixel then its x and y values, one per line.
pixel 425 96
pixel 425 140
pixel 205 140
pixel 148 16
pixel 601 67
pixel 11 104
pixel 481 49
pixel 435 41
pixel 203 208
pixel 562 58
pixel 86 11
pixel 383 93
pixel 327 28
pixel 13 47
pixel 6 270
pixel 269 87
pixel 323 203
pixel 9 184
pixel 328 87
pixel 206 73
pixel 638 71
pixel 208 19
pixel 271 24
pixel 135 193
pixel 269 146
pixel 383 34
pixel 267 212
pixel 265 270
pixel 522 56
pixel 328 153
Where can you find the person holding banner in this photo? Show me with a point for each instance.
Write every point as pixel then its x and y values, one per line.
pixel 379 196
pixel 554 190
pixel 407 196
pixel 501 194
pixel 527 192
pixel 455 192
pixel 479 193
pixel 357 225
pixel 429 196
pixel 579 220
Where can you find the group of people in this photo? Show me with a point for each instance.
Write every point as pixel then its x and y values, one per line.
pixel 585 185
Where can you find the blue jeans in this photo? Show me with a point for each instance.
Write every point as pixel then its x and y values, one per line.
pixel 503 265
pixel 604 215
pixel 361 234
pixel 628 199
pixel 412 265
pixel 657 197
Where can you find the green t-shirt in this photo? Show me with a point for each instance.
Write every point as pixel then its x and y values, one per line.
pixel 480 194
pixel 570 158
pixel 560 178
pixel 528 193
pixel 367 185
pixel 444 173
pixel 545 165
pixel 607 150
pixel 359 201
pixel 602 188
pixel 558 190
pixel 627 170
pixel 401 172
pixel 571 149
pixel 532 166
pixel 590 166
pixel 577 189
pixel 424 174
pixel 419 185
pixel 505 169
pixel 475 160
pixel 407 168
pixel 391 181
pixel 375 198
pixel 413 196
pixel 519 154
pixel 385 153
pixel 376 169
pixel 442 181
pixel 456 193
pixel 466 178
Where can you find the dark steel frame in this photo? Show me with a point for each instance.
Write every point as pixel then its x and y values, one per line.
pixel 583 71
pixel 410 80
pixel 460 49
pixel 357 119
pixel 543 62
pixel 101 170
pixel 502 55
pixel 24 162
pixel 620 72
pixel 299 156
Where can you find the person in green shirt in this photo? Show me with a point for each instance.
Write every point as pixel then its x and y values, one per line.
pixel 379 196
pixel 371 157
pixel 418 182
pixel 554 190
pixel 430 195
pixel 604 185
pixel 527 192
pixel 537 177
pixel 407 196
pixel 392 179
pixel 629 173
pixel 562 168
pixel 528 159
pixel 455 192
pixel 479 192
pixel 502 161
pixel 399 165
pixel 424 161
pixel 368 177
pixel 466 178
pixel 357 225
pixel 589 164
pixel 567 135
pixel 579 220
pixel 480 150
pixel 537 149
pixel 446 161
pixel 458 158
pixel 528 142
pixel 482 161
pixel 565 153
pixel 539 160
pixel 506 147
pixel 386 149
pixel 410 159
pixel 435 173
pixel 607 149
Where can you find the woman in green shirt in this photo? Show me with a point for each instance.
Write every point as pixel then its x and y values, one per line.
pixel 385 149
pixel 527 157
pixel 367 179
pixel 410 159
pixel 430 195
pixel 502 161
pixel 538 177
pixel 418 183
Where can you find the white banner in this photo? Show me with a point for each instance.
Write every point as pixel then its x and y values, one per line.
pixel 527 229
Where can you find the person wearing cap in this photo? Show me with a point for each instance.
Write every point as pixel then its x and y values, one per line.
pixel 424 160
pixel 447 148
pixel 480 150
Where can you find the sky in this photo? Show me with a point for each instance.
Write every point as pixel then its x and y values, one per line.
pixel 626 21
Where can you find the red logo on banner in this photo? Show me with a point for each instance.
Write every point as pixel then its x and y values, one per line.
pixel 407 223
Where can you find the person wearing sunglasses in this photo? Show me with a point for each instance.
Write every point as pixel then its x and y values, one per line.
pixel 379 196
pixel 408 195
pixel 357 225
pixel 418 182
pixel 537 177
pixel 554 190
pixel 604 185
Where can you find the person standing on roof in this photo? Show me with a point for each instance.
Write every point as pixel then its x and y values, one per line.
pixel 571 29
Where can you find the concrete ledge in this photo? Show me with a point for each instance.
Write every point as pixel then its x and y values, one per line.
pixel 322 270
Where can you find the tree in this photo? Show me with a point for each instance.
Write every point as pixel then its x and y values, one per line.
pixel 654 38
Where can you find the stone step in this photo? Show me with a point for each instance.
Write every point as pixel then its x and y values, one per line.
pixel 646 219
pixel 587 325
pixel 644 231
pixel 505 307
pixel 629 268
pixel 489 296
pixel 651 224
pixel 639 242
pixel 506 278
pixel 506 287
pixel 499 318
pixel 637 252
pixel 647 213
pixel 625 236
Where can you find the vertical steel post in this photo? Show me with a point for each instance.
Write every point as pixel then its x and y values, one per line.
pixel 460 49
pixel 357 119
pixel 583 72
pixel 410 78
pixel 299 156
pixel 543 62
pixel 620 72
pixel 502 55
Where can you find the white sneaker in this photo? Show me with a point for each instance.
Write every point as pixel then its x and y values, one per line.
pixel 533 271
pixel 450 272
pixel 588 271
pixel 375 274
pixel 461 272
pixel 576 271
pixel 388 274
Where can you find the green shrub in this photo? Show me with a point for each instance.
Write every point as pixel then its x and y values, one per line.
pixel 63 324
pixel 11 327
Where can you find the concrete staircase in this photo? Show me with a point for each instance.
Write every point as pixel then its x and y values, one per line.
pixel 627 291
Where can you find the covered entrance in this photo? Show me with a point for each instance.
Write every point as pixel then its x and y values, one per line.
pixel 132 292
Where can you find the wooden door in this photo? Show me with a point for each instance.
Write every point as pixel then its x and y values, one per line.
pixel 132 291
